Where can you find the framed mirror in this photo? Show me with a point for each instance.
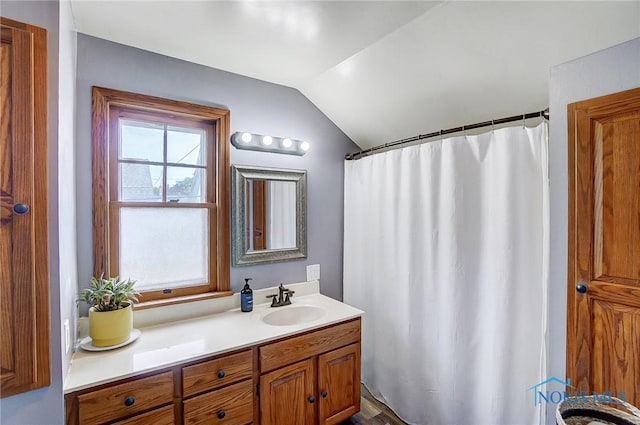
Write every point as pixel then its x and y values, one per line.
pixel 269 215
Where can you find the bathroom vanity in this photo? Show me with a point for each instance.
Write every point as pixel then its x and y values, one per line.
pixel 228 368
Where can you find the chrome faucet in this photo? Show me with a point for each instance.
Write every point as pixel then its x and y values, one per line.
pixel 283 297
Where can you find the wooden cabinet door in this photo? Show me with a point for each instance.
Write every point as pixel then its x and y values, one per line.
pixel 339 384
pixel 24 279
pixel 287 395
pixel 603 328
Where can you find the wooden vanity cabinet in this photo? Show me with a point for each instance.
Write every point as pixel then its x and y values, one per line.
pixel 321 386
pixel 215 390
pixel 311 378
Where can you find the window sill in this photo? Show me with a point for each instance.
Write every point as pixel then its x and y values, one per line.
pixel 181 300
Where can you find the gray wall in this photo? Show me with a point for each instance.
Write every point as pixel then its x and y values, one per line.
pixel 608 71
pixel 45 405
pixel 256 107
pixel 67 181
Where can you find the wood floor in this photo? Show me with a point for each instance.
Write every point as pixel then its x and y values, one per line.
pixel 372 412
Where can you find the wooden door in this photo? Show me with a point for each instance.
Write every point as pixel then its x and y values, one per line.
pixel 339 384
pixel 24 279
pixel 603 328
pixel 259 215
pixel 287 395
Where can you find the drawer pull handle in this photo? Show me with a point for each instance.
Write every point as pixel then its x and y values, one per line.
pixel 221 374
pixel 221 414
pixel 324 394
pixel 312 399
pixel 129 401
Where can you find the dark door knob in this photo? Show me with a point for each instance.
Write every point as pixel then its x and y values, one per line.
pixel 312 399
pixel 129 401
pixel 221 414
pixel 323 394
pixel 581 288
pixel 221 374
pixel 20 209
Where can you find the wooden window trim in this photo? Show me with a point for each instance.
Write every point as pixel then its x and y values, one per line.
pixel 104 102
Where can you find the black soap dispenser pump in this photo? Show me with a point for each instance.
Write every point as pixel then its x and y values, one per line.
pixel 246 297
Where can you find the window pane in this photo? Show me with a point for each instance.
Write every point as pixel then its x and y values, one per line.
pixel 140 183
pixel 141 141
pixel 185 146
pixel 185 184
pixel 164 247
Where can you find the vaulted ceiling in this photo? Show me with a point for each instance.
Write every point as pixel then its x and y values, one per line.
pixel 381 70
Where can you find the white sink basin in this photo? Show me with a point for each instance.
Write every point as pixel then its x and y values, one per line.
pixel 293 315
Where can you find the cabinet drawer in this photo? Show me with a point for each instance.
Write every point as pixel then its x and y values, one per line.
pixel 216 373
pixel 109 404
pixel 161 416
pixel 302 347
pixel 231 405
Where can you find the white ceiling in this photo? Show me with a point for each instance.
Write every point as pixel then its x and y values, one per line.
pixel 381 70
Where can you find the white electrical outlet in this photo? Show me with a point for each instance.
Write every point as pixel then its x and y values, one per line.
pixel 313 272
pixel 67 336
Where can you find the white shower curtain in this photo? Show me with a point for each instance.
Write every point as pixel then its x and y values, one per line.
pixel 281 204
pixel 445 248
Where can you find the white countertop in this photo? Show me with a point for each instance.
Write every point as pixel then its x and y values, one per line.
pixel 167 344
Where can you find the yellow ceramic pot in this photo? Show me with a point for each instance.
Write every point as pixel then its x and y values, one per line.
pixel 108 328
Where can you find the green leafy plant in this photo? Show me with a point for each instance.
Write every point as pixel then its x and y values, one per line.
pixel 110 294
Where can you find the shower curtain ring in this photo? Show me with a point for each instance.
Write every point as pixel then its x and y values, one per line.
pixel 493 127
pixel 523 123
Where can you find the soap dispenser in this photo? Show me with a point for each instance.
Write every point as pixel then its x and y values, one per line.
pixel 246 297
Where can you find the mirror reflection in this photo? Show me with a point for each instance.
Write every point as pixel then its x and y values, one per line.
pixel 269 209
pixel 270 214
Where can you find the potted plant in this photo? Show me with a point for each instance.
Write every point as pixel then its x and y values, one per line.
pixel 111 312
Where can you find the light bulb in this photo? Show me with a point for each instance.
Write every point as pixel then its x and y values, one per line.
pixel 287 143
pixel 266 140
pixel 305 146
pixel 246 137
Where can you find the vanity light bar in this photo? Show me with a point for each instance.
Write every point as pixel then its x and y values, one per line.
pixel 260 142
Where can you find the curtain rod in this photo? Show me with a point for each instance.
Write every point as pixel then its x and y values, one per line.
pixel 399 143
